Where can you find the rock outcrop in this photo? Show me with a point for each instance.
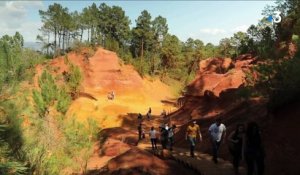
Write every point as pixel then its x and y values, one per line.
pixel 216 75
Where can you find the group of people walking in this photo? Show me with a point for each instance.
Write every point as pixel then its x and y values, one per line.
pixel 165 134
pixel 244 144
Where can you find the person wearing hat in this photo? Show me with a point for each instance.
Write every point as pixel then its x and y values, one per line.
pixel 191 135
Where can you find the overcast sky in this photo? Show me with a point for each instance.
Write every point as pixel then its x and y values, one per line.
pixel 209 21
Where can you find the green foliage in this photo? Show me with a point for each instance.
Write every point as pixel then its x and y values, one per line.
pixel 11 141
pixel 74 79
pixel 112 45
pixel 79 139
pixel 226 47
pixel 29 59
pixel 170 51
pixel 296 39
pixel 10 59
pixel 244 92
pixel 50 92
pixel 278 77
pixel 210 50
pixel 39 102
pixel 142 35
pixel 286 83
pixel 44 152
pixel 57 20
pixel 104 24
pixel 49 154
pixel 12 168
pixel 142 66
pixel 16 64
pixel 114 26
pixel 160 27
pixel 77 46
pixel 37 144
pixel 48 88
pixel 126 56
pixel 63 101
pixel 193 51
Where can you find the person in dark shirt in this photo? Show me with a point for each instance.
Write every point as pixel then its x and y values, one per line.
pixel 140 131
pixel 236 146
pixel 164 136
pixel 254 151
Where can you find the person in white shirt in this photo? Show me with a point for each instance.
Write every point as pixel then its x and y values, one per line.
pixel 153 138
pixel 171 132
pixel 217 133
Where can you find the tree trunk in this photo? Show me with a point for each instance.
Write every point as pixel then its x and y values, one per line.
pixel 63 39
pixel 69 38
pixel 142 48
pixel 88 35
pixel 55 34
pixel 48 43
pixel 59 38
pixel 81 35
pixel 92 35
pixel 103 40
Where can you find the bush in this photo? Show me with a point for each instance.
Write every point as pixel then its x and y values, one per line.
pixel 47 95
pixel 80 139
pixel 11 141
pixel 39 103
pixel 64 101
pixel 74 79
pixel 48 88
pixel 112 45
pixel 126 56
pixel 280 79
pixel 77 46
pixel 286 83
pixel 142 66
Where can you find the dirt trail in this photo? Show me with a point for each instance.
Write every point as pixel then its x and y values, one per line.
pixel 202 163
pixel 121 157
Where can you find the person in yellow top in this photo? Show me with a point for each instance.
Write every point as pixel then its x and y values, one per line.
pixel 191 135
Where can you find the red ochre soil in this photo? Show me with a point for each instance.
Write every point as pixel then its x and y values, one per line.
pixel 103 73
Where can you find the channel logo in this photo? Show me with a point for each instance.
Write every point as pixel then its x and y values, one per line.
pixel 276 18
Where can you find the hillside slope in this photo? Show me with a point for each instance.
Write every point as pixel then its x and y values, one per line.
pixel 103 73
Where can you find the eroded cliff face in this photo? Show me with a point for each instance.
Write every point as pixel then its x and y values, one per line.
pixel 217 75
pixel 216 88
